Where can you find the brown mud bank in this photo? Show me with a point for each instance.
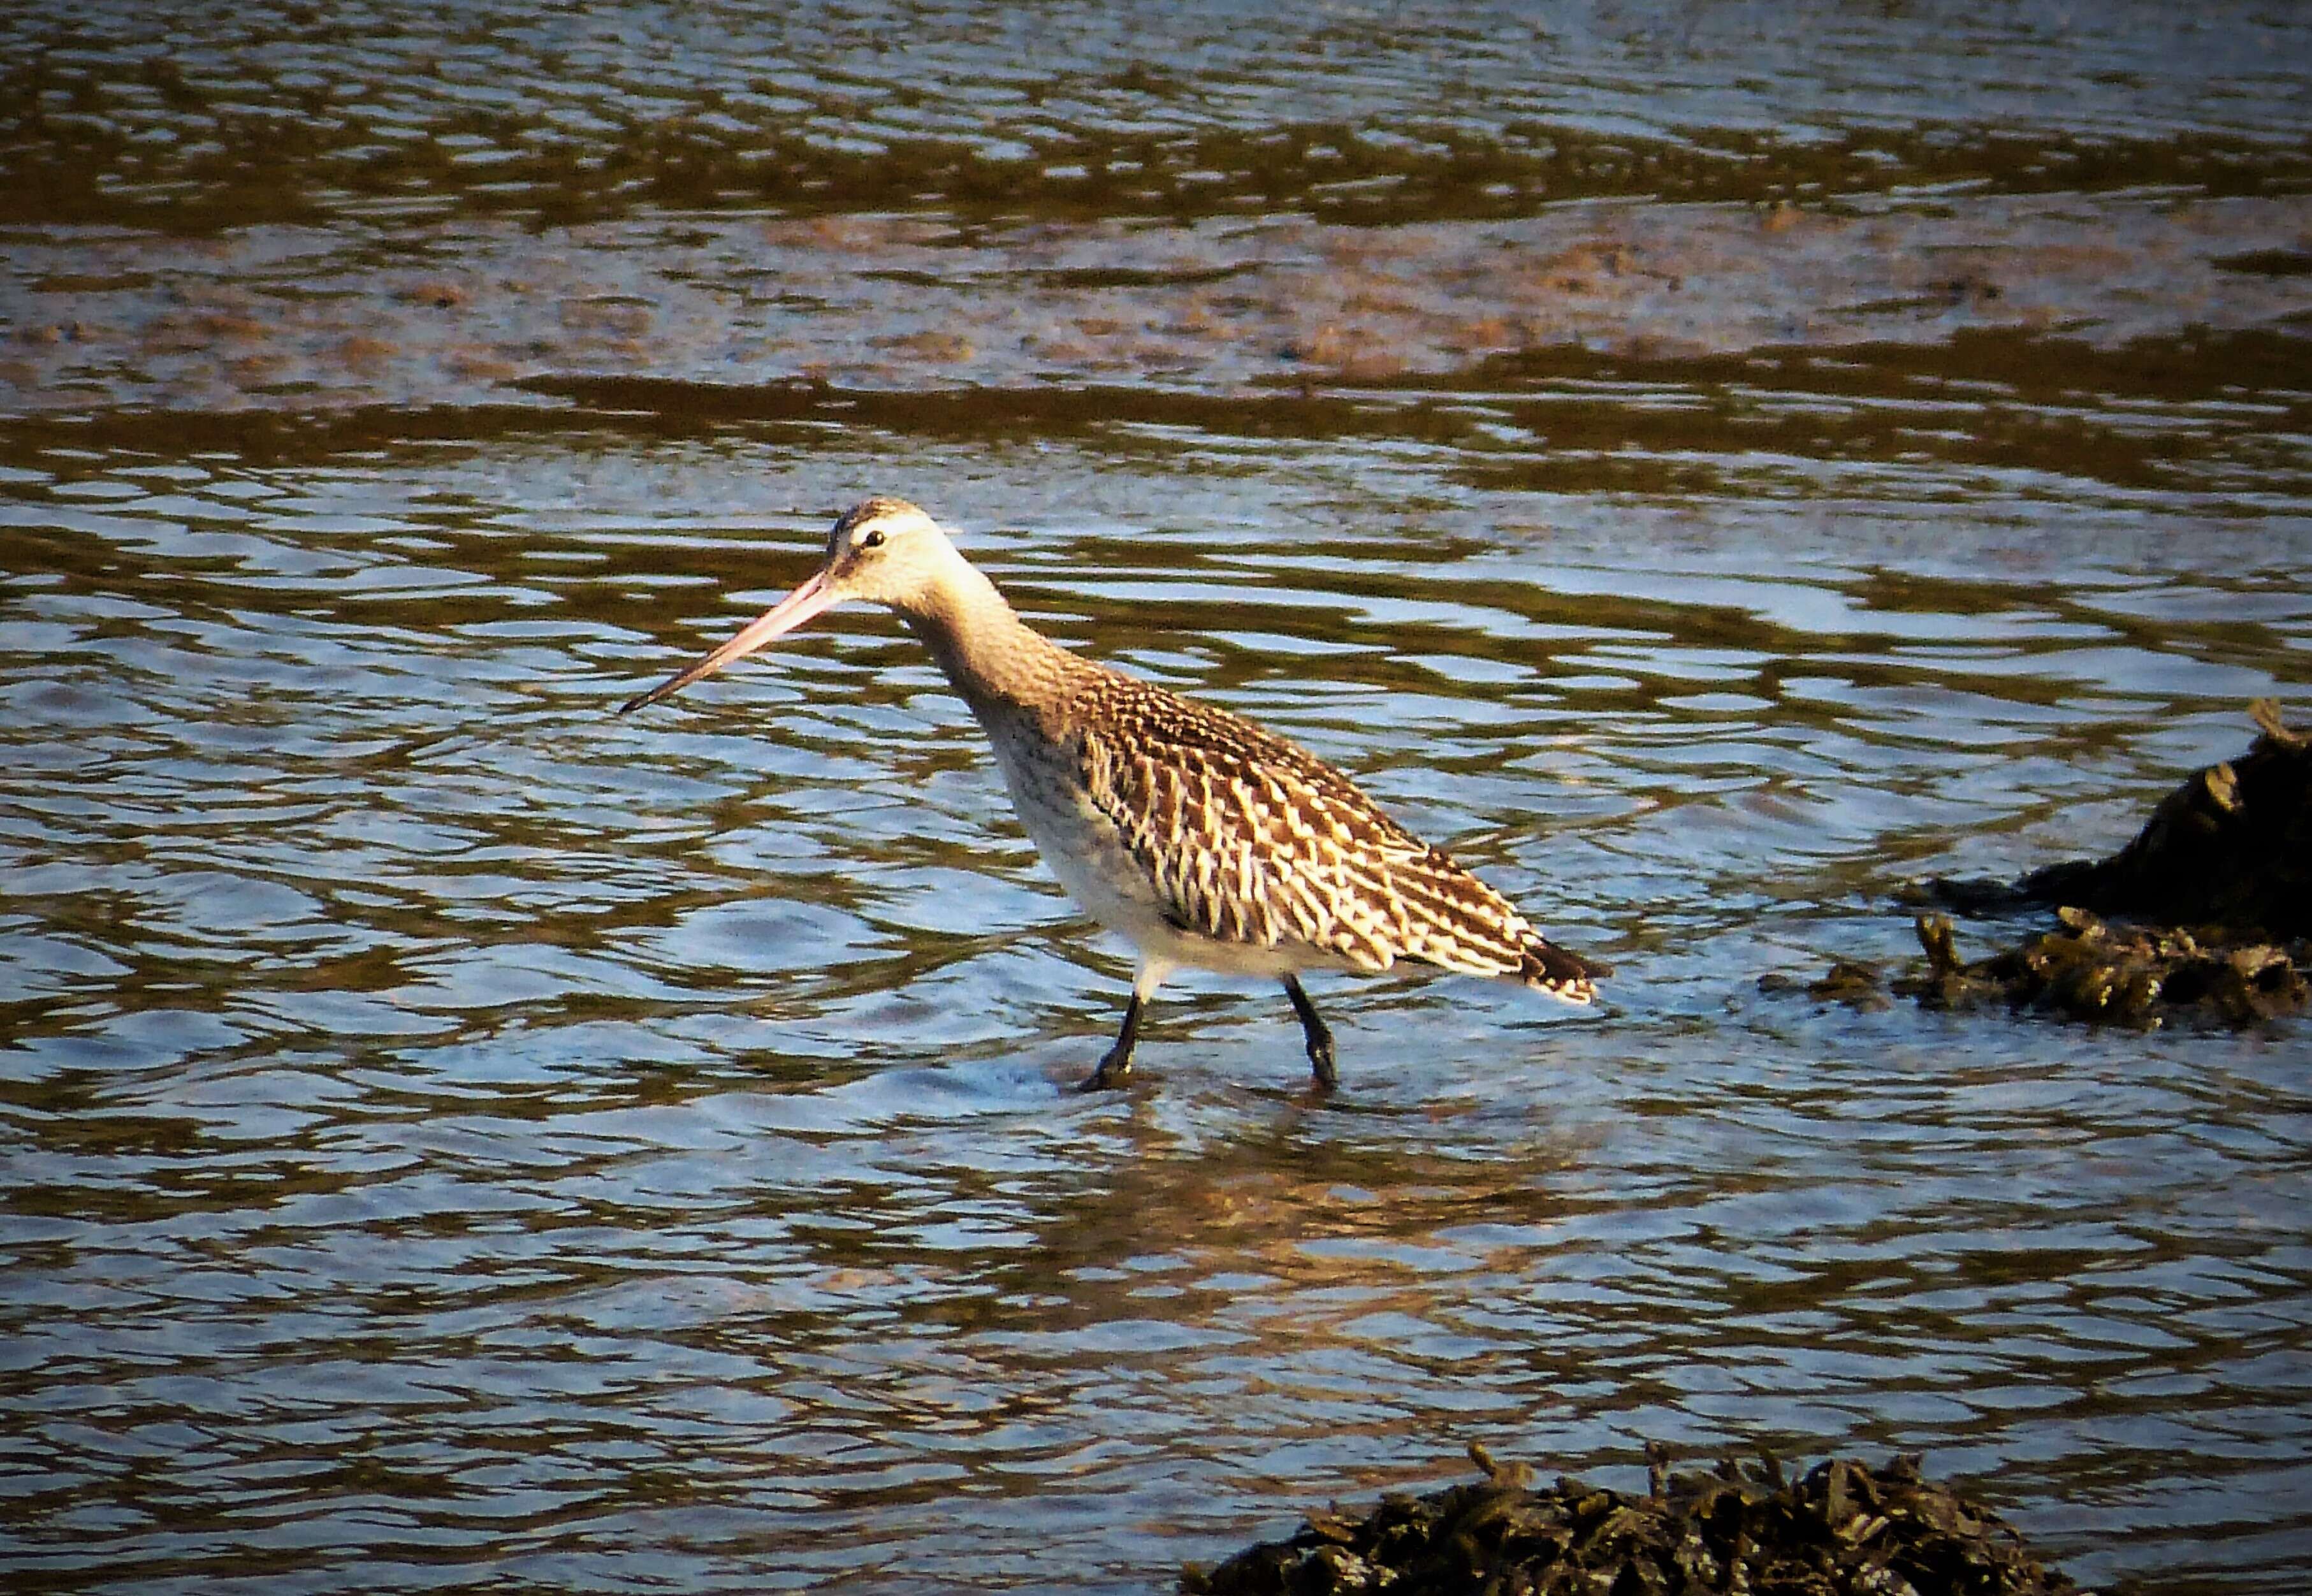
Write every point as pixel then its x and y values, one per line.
pixel 1842 1528
pixel 2213 898
pixel 461 314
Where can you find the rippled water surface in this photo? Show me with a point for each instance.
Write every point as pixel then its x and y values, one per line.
pixel 452 1136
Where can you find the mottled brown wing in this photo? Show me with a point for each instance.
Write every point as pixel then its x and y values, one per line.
pixel 1250 839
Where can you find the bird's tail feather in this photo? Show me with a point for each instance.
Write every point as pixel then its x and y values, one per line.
pixel 1560 972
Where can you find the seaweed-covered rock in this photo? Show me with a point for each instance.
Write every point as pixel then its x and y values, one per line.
pixel 2220 880
pixel 1844 1530
pixel 2085 969
pixel 2232 846
pixel 1855 982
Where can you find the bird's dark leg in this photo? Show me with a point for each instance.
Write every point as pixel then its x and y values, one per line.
pixel 1116 1063
pixel 1319 1035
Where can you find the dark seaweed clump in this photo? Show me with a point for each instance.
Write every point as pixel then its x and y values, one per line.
pixel 2085 969
pixel 1844 1530
pixel 2218 880
pixel 2229 848
pixel 2211 910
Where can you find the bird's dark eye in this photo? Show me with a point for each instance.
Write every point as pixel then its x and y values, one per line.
pixel 871 539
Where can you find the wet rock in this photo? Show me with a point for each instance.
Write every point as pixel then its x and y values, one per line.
pixel 2219 882
pixel 1843 1529
pixel 2230 847
pixel 2140 976
pixel 1854 982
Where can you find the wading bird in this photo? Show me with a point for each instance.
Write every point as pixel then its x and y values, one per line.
pixel 1201 838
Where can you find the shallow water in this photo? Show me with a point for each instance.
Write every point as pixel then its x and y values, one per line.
pixel 451 1135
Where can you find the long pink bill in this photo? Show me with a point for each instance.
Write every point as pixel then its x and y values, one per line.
pixel 783 617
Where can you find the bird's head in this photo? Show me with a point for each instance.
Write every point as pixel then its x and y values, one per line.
pixel 888 552
pixel 884 550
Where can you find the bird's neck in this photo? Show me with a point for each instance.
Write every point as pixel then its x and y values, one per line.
pixel 997 662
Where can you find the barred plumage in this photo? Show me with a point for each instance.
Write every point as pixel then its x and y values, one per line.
pixel 1202 838
pixel 1247 837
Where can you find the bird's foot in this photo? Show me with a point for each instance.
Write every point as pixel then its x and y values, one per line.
pixel 1111 1072
pixel 1115 1064
pixel 1316 1033
pixel 1320 1065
